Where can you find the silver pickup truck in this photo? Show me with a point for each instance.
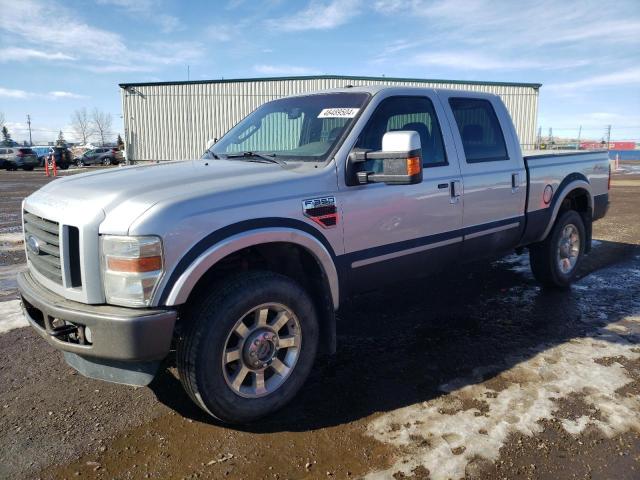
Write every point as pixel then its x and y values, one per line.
pixel 239 260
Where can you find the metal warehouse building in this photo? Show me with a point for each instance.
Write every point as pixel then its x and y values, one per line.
pixel 174 120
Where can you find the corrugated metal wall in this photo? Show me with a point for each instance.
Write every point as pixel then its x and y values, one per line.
pixel 175 121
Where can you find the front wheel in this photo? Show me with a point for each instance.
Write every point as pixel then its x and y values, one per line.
pixel 248 346
pixel 555 261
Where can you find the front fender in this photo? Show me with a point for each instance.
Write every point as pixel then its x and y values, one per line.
pixel 181 288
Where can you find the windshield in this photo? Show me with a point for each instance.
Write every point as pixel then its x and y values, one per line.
pixel 301 128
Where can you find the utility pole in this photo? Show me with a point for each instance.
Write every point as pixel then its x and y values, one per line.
pixel 608 137
pixel 539 139
pixel 188 73
pixel 579 135
pixel 29 123
pixel 551 136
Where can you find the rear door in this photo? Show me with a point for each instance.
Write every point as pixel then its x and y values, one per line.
pixel 493 173
pixel 393 232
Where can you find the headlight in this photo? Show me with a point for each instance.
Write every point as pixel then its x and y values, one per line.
pixel 131 269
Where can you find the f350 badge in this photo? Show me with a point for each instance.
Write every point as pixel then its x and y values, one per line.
pixel 322 210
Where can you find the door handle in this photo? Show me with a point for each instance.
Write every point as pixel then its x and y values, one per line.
pixel 515 182
pixel 455 189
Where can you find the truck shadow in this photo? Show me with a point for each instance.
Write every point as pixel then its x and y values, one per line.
pixel 396 347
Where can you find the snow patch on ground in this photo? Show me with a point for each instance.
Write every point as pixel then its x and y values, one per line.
pixel 11 316
pixel 517 263
pixel 8 284
pixel 11 229
pixel 429 434
pixel 11 241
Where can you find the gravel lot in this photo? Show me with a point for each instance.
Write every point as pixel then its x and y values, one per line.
pixel 482 374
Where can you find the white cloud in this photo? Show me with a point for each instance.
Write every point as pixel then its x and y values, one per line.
pixel 62 94
pixel 53 95
pixel 471 61
pixel 11 93
pixel 319 15
pixel 90 45
pixel 221 33
pixel 534 23
pixel 284 70
pixel 24 54
pixel 625 77
pixel 149 9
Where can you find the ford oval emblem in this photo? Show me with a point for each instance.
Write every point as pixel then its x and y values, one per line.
pixel 33 245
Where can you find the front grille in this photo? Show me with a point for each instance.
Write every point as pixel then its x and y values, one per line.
pixel 42 239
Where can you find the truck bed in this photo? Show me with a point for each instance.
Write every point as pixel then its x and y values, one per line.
pixel 535 154
pixel 558 168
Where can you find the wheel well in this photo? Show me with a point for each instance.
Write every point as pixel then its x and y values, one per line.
pixel 579 200
pixel 288 259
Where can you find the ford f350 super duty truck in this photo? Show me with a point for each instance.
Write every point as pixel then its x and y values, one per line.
pixel 240 259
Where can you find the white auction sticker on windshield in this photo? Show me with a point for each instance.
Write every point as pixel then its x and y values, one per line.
pixel 338 112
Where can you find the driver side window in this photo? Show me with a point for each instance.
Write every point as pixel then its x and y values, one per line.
pixel 405 113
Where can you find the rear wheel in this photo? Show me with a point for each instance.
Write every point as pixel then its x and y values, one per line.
pixel 107 161
pixel 555 261
pixel 248 346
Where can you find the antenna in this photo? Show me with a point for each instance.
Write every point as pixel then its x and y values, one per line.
pixel 29 123
pixel 579 135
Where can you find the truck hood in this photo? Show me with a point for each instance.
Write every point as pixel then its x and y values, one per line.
pixel 128 192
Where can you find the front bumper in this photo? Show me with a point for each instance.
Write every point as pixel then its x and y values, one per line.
pixel 122 340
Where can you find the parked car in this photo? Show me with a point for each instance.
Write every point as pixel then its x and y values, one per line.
pixel 241 259
pixel 18 157
pixel 62 156
pixel 100 156
pixel 42 152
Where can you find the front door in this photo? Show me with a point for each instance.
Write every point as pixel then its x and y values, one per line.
pixel 393 232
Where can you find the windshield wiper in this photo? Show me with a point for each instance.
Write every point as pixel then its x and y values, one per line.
pixel 252 155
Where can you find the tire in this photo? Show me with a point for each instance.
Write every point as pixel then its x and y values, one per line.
pixel 107 161
pixel 27 169
pixel 554 262
pixel 64 166
pixel 79 163
pixel 210 330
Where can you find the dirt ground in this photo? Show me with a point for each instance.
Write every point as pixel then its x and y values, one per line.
pixel 481 375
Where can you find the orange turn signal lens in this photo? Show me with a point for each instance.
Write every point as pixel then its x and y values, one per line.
pixel 134 265
pixel 413 165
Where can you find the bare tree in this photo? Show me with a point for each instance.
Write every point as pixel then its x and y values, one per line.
pixel 82 125
pixel 102 124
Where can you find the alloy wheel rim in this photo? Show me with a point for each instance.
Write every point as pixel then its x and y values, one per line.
pixel 261 350
pixel 568 248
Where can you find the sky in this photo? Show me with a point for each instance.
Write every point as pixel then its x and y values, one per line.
pixel 60 56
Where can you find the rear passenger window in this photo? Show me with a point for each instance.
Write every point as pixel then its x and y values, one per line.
pixel 479 129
